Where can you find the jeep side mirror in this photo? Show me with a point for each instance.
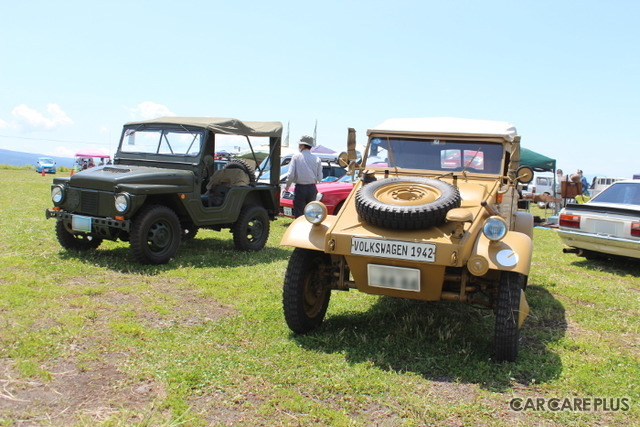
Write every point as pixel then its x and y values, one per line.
pixel 343 159
pixel 524 174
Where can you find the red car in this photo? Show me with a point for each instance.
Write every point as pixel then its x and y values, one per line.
pixel 332 194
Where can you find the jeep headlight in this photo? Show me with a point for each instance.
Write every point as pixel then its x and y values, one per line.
pixel 57 194
pixel 494 228
pixel 122 202
pixel 315 212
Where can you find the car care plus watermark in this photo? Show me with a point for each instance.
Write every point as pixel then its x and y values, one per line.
pixel 570 404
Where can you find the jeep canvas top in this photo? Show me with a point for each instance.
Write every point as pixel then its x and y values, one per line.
pixel 164 185
pixel 434 217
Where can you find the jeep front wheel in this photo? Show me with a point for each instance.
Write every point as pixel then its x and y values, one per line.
pixel 406 203
pixel 155 235
pixel 306 294
pixel 75 242
pixel 251 230
pixel 507 334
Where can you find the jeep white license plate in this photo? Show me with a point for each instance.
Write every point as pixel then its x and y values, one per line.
pixel 411 251
pixel 287 211
pixel 81 223
pixel 386 276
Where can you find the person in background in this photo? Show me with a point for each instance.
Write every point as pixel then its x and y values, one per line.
pixel 585 184
pixel 305 170
pixel 558 180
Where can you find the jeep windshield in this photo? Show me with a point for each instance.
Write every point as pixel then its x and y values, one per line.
pixel 435 155
pixel 174 141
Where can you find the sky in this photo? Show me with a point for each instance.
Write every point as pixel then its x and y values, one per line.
pixel 565 73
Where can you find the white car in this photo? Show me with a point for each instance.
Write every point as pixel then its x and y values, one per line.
pixel 608 224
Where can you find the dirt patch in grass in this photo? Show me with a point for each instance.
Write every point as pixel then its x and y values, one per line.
pixel 73 390
pixel 91 394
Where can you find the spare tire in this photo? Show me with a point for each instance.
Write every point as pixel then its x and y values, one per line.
pixel 406 203
pixel 241 164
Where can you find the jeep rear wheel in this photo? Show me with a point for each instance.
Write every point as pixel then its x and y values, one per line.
pixel 155 235
pixel 251 230
pixel 75 242
pixel 406 203
pixel 507 334
pixel 305 295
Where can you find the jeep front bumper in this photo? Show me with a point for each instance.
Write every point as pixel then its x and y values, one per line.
pixel 89 224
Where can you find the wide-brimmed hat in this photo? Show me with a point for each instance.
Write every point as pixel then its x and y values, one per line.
pixel 306 140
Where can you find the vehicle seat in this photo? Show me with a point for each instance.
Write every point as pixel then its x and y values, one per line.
pixel 221 181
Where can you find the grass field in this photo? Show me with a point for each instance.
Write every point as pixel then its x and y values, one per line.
pixel 95 338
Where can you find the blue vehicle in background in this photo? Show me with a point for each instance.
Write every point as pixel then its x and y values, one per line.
pixel 45 164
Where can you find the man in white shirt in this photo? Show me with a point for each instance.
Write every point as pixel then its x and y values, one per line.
pixel 305 170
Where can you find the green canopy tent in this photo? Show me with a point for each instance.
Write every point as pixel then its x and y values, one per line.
pixel 540 163
pixel 537 161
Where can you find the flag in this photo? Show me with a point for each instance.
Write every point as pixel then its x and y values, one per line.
pixel 286 140
pixel 315 133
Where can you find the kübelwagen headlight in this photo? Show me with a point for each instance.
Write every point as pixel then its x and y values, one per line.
pixel 57 194
pixel 315 212
pixel 494 228
pixel 122 202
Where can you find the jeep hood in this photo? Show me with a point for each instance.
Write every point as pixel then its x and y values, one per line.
pixel 106 178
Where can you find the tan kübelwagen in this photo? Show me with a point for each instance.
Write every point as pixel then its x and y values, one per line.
pixel 433 217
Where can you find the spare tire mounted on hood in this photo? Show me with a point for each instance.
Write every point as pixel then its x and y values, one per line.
pixel 407 203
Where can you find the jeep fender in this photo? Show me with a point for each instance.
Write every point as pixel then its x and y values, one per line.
pixel 512 253
pixel 302 234
pixel 523 223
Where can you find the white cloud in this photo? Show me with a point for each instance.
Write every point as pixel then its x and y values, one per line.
pixel 28 119
pixel 61 152
pixel 150 110
pixel 7 125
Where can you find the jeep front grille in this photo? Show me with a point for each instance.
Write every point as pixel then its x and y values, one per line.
pixel 89 202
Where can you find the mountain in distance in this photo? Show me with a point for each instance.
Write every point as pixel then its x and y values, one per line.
pixel 18 158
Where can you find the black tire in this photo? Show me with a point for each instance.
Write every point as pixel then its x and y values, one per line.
pixel 507 334
pixel 305 295
pixel 241 164
pixel 75 242
pixel 155 235
pixel 338 207
pixel 251 230
pixel 406 203
pixel 189 231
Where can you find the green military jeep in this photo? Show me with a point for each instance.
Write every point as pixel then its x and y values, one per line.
pixel 433 217
pixel 163 187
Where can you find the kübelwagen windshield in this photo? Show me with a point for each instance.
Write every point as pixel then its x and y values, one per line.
pixel 435 155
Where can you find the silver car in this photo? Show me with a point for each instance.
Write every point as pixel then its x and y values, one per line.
pixel 608 224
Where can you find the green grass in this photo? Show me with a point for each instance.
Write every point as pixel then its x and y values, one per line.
pixel 95 338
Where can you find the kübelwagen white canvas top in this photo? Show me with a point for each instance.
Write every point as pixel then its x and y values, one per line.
pixel 448 126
